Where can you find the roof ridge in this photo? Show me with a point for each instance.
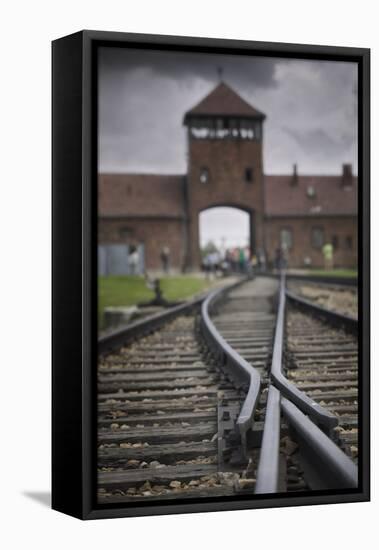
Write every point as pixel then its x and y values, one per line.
pixel 224 100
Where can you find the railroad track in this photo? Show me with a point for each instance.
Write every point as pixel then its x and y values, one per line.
pixel 159 401
pixel 336 297
pixel 190 404
pixel 315 368
pixel 322 360
pixel 247 321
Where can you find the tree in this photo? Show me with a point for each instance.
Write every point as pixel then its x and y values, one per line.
pixel 209 248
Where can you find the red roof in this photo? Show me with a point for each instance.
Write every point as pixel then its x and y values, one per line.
pixel 224 101
pixel 141 195
pixel 311 196
pixel 149 195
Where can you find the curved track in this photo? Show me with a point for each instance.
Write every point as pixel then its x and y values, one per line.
pixel 159 419
pixel 325 465
pixel 216 400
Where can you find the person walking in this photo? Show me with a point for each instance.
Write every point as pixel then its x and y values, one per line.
pixel 251 265
pixel 133 260
pixel 261 260
pixel 327 251
pixel 278 259
pixel 209 265
pixel 284 251
pixel 165 259
pixel 242 260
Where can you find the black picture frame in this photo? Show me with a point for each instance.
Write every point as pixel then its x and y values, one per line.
pixel 74 270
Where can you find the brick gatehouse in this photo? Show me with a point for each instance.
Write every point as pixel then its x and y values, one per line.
pixel 225 168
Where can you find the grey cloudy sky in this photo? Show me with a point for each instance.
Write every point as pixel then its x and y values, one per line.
pixel 310 108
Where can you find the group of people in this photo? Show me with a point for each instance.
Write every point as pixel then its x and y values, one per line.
pixel 281 260
pixel 234 260
pixel 238 259
pixel 241 260
pixel 134 259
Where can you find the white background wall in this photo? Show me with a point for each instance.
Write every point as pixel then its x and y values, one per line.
pixel 26 31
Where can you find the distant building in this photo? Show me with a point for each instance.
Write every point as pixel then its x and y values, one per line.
pixel 225 168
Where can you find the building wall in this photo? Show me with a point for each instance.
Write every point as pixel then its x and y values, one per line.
pixel 136 195
pixel 154 234
pixel 226 161
pixel 340 227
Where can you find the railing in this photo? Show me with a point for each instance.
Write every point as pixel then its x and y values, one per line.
pixel 241 372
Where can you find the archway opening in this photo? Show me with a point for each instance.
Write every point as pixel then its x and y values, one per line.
pixel 226 231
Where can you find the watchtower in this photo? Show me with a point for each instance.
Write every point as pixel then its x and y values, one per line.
pixel 225 165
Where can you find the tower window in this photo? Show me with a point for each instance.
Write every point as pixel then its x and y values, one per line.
pixel 204 175
pixel 317 237
pixel 349 242
pixel 335 242
pixel 247 129
pixel 249 175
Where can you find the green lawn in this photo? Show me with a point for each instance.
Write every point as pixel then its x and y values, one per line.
pixel 128 290
pixel 334 272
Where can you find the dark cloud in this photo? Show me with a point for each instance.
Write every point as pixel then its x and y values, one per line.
pixel 317 141
pixel 143 95
pixel 256 71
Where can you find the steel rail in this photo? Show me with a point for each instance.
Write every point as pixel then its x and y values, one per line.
pixel 267 478
pixel 122 336
pixel 324 279
pixel 318 448
pixel 326 465
pixel 344 282
pixel 333 317
pixel 241 372
pixel 319 415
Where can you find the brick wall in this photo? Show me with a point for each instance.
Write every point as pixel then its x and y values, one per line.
pixel 226 161
pixel 153 233
pixel 156 206
pixel 121 195
pixel 340 227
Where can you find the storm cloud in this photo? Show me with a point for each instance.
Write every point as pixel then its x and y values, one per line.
pixel 143 95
